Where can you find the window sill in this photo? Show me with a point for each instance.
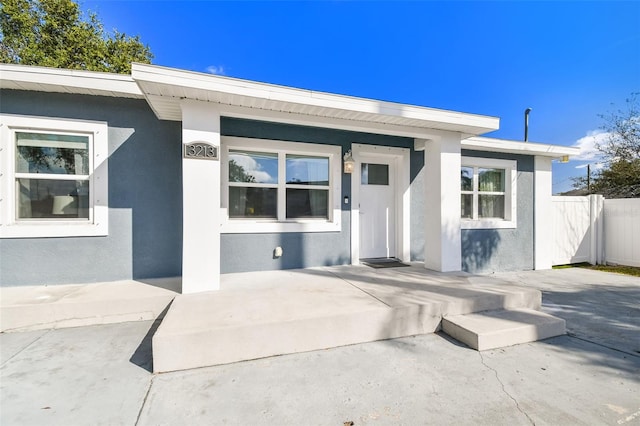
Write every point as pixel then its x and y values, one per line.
pixel 488 224
pixel 271 227
pixel 50 230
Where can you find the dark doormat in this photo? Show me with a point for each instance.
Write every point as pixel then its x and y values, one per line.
pixel 383 262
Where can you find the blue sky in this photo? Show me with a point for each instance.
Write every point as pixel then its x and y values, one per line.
pixel 569 61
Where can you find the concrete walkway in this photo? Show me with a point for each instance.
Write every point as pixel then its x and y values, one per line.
pixel 101 375
pixel 74 305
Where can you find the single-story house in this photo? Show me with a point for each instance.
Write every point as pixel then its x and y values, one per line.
pixel 167 172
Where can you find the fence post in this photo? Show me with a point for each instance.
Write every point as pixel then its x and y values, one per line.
pixel 601 237
pixel 596 219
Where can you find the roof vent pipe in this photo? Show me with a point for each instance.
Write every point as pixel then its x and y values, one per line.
pixel 526 124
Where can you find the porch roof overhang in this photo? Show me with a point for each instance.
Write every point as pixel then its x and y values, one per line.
pixel 166 89
pixel 43 79
pixel 518 147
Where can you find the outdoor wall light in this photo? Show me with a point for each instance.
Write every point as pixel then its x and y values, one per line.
pixel 565 159
pixel 349 163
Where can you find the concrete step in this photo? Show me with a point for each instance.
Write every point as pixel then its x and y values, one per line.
pixel 496 329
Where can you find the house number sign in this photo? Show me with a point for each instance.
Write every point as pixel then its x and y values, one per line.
pixel 201 150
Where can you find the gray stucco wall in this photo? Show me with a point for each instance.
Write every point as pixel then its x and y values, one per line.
pixel 488 250
pixel 254 252
pixel 145 198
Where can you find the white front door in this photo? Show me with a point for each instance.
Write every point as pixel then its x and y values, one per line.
pixel 377 207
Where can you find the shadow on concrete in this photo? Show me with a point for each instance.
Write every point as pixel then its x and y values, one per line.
pixel 415 286
pixel 171 283
pixel 143 355
pixel 583 351
pixel 453 341
pixel 603 314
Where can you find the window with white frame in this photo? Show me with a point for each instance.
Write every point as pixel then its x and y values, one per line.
pixel 54 180
pixel 276 186
pixel 488 193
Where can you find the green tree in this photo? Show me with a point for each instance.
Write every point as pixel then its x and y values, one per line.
pixel 238 174
pixel 620 177
pixel 623 132
pixel 54 33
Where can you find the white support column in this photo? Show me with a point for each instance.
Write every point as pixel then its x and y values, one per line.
pixel 442 245
pixel 200 201
pixel 543 214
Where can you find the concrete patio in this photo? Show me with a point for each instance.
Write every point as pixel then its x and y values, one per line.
pixel 101 374
pixel 261 314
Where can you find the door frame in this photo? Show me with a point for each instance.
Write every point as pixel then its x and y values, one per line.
pixel 402 197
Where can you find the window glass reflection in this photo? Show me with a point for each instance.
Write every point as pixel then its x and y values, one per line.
pixel 253 167
pixel 491 180
pixel 52 154
pixel 307 170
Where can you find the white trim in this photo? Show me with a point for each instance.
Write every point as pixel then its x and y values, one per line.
pixel 200 201
pixel 241 226
pixel 542 214
pixel 98 223
pixel 163 87
pixel 25 77
pixel 401 158
pixel 510 192
pixel 517 147
pixel 351 125
pixel 442 234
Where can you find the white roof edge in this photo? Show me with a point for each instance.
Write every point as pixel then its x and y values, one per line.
pixel 197 80
pixel 478 143
pixel 69 81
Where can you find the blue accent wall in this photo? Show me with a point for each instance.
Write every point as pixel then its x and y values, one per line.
pixel 488 250
pixel 254 252
pixel 145 198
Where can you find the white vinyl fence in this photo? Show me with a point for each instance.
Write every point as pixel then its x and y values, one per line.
pixel 622 231
pixel 592 229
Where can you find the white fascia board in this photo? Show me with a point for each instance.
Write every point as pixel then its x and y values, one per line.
pixel 329 122
pixel 68 81
pixel 170 110
pixel 518 147
pixel 471 123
